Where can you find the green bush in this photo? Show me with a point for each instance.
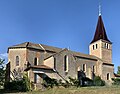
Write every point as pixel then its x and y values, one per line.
pixel 87 81
pixel 116 81
pixel 22 85
pixel 60 82
pixel 49 82
pixel 14 86
pixel 98 81
pixel 74 82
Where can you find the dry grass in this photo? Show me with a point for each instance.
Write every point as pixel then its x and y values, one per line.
pixel 82 90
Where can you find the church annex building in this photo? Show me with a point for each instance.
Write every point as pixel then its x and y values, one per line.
pixel 40 60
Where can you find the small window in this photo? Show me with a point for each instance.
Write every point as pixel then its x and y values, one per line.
pixel 93 47
pixel 17 60
pixel 66 63
pixel 54 63
pixel 104 45
pixel 93 69
pixel 108 76
pixel 35 61
pixel 84 67
pixel 96 46
pixel 107 46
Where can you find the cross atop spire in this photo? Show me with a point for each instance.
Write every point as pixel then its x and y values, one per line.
pixel 99 9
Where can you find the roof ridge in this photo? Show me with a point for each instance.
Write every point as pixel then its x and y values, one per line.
pixel 42 47
pixel 56 53
pixel 27 44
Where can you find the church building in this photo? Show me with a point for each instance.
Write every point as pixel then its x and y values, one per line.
pixel 40 60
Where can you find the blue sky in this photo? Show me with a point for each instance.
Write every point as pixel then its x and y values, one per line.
pixel 60 23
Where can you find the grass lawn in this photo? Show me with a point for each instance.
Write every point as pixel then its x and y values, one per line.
pixel 81 90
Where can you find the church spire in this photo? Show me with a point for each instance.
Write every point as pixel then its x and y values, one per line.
pixel 100 32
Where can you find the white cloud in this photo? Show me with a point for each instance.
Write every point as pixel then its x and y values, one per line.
pixel 4 55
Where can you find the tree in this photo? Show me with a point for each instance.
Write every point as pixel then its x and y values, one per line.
pixel 2 72
pixel 118 72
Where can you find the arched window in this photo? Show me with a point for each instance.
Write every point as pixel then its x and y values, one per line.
pixel 106 45
pixel 94 69
pixel 108 76
pixel 54 63
pixel 84 67
pixel 96 46
pixel 93 47
pixel 66 63
pixel 17 60
pixel 35 61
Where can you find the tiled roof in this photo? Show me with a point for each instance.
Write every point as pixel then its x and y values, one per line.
pixel 55 53
pixel 100 32
pixel 116 75
pixel 39 67
pixel 27 45
pixel 76 54
pixel 53 49
pixel 36 46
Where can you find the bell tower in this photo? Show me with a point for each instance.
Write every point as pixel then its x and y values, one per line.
pixel 101 46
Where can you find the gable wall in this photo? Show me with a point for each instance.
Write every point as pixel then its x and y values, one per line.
pixel 60 65
pixel 89 66
pixel 21 52
pixel 40 55
pixel 107 69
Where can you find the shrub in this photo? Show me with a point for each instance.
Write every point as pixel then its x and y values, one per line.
pixel 87 81
pixel 98 81
pixel 60 82
pixel 26 82
pixel 49 82
pixel 74 82
pixel 22 85
pixel 116 81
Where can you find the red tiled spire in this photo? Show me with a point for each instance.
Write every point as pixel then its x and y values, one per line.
pixel 100 32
